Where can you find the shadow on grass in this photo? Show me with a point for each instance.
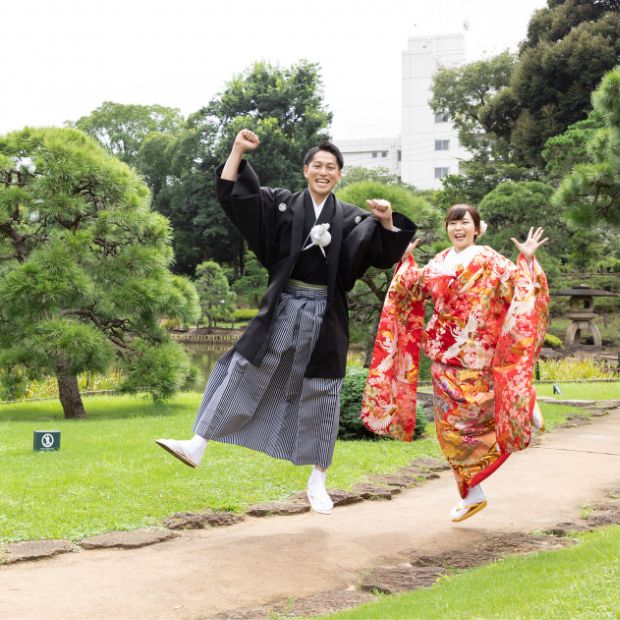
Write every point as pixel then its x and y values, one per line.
pixel 100 408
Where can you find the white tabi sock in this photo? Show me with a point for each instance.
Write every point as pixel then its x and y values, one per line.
pixel 475 495
pixel 318 497
pixel 195 447
pixel 317 477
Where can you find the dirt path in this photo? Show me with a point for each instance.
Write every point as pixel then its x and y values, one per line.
pixel 206 572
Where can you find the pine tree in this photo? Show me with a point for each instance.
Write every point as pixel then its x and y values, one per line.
pixel 84 270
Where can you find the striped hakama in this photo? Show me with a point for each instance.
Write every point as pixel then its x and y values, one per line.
pixel 273 408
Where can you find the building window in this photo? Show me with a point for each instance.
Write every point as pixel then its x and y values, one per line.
pixel 399 155
pixel 442 145
pixel 442 117
pixel 374 154
pixel 440 173
pixel 383 153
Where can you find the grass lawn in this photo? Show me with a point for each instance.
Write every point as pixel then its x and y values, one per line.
pixel 109 474
pixel 576 582
pixel 581 391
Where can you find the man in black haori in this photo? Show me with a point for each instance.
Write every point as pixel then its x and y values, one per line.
pixel 277 390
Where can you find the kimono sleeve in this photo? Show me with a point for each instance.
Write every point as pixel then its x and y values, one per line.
pixel 389 401
pixel 252 209
pixel 371 245
pixel 519 343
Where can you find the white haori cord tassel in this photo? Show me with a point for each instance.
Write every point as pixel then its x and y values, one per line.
pixel 319 235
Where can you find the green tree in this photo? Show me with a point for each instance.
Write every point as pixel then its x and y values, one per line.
pixel 284 105
pixel 121 128
pixel 380 174
pixel 590 194
pixel 367 297
pixel 217 301
pixel 172 154
pixel 564 151
pixel 512 208
pixel 285 108
pixel 84 277
pixel 180 173
pixel 479 178
pixel 252 285
pixel 571 44
pixel 403 200
pixel 463 93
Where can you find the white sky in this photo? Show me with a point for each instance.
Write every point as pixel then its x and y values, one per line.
pixel 61 59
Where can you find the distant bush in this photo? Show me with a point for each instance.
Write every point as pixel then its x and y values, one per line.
pixel 170 324
pixel 572 369
pixel 553 341
pixel 245 314
pixel 351 426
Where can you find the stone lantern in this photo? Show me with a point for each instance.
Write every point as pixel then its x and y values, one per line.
pixel 582 312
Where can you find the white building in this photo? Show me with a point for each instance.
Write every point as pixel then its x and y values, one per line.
pixel 372 153
pixel 430 144
pixel 428 148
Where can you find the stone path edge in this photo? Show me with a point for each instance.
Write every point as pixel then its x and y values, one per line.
pixel 422 571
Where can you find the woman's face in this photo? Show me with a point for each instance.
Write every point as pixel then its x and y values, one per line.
pixel 462 232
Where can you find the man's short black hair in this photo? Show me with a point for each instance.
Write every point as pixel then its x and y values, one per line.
pixel 325 146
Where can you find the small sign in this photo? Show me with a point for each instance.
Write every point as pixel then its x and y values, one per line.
pixel 46 441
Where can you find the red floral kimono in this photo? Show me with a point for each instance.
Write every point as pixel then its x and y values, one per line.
pixel 483 339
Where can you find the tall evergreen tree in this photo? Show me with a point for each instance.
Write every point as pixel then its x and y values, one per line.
pixel 217 301
pixel 570 45
pixel 84 270
pixel 590 193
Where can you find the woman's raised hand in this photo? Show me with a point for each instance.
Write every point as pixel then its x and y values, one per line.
pixel 410 248
pixel 532 243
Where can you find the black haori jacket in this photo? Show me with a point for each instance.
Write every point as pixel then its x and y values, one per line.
pixel 272 222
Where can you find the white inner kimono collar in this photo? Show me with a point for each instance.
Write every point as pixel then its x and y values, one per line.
pixel 447 265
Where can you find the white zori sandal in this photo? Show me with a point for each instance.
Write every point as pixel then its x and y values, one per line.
pixel 474 502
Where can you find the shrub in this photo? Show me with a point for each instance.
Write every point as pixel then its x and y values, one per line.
pixel 553 341
pixel 351 426
pixel 245 314
pixel 571 369
pixel 170 324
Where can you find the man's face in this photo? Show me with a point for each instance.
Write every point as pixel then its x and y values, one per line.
pixel 322 174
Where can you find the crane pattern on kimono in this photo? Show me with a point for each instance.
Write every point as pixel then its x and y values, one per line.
pixel 461 335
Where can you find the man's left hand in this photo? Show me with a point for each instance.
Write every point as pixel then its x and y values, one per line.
pixel 382 210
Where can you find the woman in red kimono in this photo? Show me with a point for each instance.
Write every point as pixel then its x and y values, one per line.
pixel 483 339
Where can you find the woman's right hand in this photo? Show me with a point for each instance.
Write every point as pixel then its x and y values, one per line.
pixel 246 140
pixel 410 248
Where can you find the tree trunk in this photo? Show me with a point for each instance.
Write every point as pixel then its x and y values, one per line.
pixel 69 392
pixel 242 251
